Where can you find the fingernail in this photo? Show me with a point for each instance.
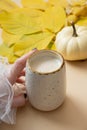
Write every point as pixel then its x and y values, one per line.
pixel 34 49
pixel 25 95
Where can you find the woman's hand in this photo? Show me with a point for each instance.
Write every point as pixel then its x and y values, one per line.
pixel 16 75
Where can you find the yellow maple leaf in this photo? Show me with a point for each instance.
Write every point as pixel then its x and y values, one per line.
pixel 62 3
pixel 28 42
pixel 51 45
pixel 28 12
pixel 7 52
pixel 7 5
pixel 19 23
pixel 82 21
pixel 35 4
pixel 27 28
pixel 53 18
pixel 76 2
pixel 10 39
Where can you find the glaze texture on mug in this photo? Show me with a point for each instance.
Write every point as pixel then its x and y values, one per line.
pixel 46 86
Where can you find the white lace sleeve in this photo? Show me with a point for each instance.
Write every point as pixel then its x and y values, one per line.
pixel 7 113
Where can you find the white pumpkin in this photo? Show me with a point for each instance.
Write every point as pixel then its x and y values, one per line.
pixel 71 42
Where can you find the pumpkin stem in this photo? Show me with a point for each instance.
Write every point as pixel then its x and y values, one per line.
pixel 74 30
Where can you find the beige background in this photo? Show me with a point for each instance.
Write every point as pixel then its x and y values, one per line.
pixel 72 115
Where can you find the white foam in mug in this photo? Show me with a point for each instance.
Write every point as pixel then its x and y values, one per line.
pixel 46 80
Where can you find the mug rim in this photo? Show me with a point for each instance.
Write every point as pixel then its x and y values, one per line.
pixel 46 73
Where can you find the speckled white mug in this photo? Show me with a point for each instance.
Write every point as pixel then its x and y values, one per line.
pixel 46 80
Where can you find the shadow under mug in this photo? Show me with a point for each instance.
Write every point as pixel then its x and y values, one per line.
pixel 46 80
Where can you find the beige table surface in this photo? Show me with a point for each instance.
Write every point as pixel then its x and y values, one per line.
pixel 72 115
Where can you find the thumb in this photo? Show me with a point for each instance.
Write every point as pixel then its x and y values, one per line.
pixel 18 66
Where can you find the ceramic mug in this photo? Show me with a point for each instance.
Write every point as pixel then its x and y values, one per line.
pixel 45 80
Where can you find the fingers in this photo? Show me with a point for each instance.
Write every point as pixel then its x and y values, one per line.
pixel 19 101
pixel 19 80
pixel 19 89
pixel 22 72
pixel 20 96
pixel 18 66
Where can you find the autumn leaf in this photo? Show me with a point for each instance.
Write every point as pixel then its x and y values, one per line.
pixel 7 5
pixel 28 12
pixel 19 23
pixel 28 42
pixel 10 39
pixel 76 2
pixel 30 27
pixel 82 21
pixel 7 52
pixel 35 4
pixel 62 3
pixel 51 45
pixel 53 18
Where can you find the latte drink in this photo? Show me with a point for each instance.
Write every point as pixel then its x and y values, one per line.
pixel 46 63
pixel 45 80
